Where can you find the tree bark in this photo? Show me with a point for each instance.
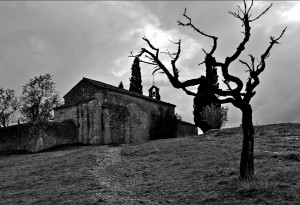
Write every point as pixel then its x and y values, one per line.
pixel 3 122
pixel 247 156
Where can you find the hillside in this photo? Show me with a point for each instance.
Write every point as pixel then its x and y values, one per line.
pixel 195 170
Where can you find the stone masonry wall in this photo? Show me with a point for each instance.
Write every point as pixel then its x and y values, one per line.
pixel 88 117
pixel 186 129
pixel 36 137
pixel 125 124
pixel 116 124
pixel 112 118
pixel 83 90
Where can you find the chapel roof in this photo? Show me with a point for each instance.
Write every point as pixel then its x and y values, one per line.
pixel 108 87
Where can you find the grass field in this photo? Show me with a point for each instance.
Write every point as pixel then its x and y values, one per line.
pixel 195 170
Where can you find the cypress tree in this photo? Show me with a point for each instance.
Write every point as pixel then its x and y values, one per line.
pixel 205 96
pixel 136 79
pixel 121 85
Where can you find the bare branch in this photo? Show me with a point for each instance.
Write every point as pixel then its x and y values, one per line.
pixel 184 14
pixel 234 95
pixel 201 63
pixel 156 70
pixel 243 12
pixel 236 15
pixel 188 92
pixel 241 47
pixel 266 54
pixel 173 62
pixel 282 33
pixel 227 83
pixel 246 64
pixel 231 78
pixel 199 31
pixel 250 86
pixel 239 50
pixel 245 7
pixel 151 46
pixel 252 58
pixel 149 57
pixel 173 42
pixel 147 62
pixel 160 66
pixel 264 12
pixel 192 82
pixel 170 54
pixel 228 100
pixel 240 9
pixel 224 93
pixel 250 7
pixel 250 68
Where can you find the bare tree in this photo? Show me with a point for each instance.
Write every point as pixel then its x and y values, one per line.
pixel 9 103
pixel 234 95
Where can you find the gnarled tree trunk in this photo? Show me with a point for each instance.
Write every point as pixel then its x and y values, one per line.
pixel 247 156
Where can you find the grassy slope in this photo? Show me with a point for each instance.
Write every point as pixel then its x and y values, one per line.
pixel 196 170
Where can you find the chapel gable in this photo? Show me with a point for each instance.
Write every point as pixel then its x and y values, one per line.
pixel 83 90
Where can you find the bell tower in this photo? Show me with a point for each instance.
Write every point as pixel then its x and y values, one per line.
pixel 154 91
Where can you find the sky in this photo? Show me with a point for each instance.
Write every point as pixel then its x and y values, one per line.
pixel 93 39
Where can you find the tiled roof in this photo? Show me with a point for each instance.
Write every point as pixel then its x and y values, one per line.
pixel 103 85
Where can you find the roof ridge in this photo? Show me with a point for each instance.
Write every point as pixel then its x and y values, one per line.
pixel 102 85
pixel 96 81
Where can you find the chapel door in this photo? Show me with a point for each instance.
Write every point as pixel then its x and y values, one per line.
pixel 118 125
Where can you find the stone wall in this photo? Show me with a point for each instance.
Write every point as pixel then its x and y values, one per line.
pixel 113 117
pixel 83 90
pixel 116 124
pixel 185 129
pixel 88 117
pixel 36 137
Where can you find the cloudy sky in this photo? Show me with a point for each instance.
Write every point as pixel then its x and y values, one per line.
pixel 93 39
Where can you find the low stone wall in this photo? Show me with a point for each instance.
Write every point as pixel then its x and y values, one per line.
pixel 36 137
pixel 186 129
pixel 44 135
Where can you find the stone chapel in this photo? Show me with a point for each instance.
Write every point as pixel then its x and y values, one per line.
pixel 106 114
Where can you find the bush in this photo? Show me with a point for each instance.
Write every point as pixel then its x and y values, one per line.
pixel 215 116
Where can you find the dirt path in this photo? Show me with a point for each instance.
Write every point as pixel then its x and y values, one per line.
pixel 109 187
pixel 102 163
pixel 113 191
